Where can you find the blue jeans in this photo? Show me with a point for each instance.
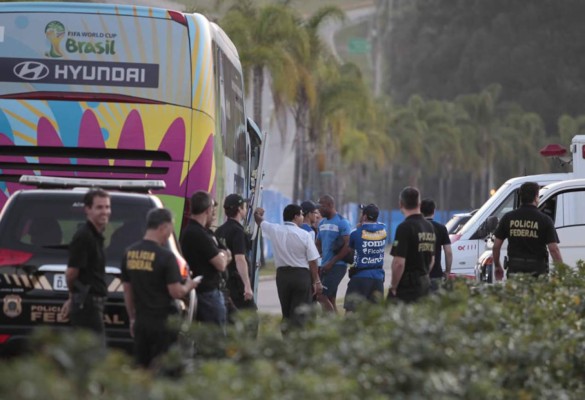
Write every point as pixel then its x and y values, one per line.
pixel 211 307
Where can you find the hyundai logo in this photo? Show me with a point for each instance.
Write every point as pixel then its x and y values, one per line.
pixel 31 70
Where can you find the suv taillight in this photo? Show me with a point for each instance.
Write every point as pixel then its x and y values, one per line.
pixel 183 267
pixel 13 257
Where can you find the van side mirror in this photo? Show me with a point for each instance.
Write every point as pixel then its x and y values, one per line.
pixel 487 227
pixel 491 224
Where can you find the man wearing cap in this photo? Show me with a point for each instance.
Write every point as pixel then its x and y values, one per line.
pixel 201 250
pixel 442 243
pixel 232 235
pixel 310 216
pixel 368 241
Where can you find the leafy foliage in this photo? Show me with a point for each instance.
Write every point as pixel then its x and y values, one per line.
pixel 524 339
pixel 440 49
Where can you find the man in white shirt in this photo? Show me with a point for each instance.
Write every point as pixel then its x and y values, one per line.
pixel 295 257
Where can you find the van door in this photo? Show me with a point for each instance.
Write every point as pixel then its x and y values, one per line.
pixel 470 250
pixel 567 211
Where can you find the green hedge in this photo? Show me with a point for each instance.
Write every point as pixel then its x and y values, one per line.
pixel 521 340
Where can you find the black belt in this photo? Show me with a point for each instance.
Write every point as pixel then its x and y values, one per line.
pixel 520 259
pixel 289 267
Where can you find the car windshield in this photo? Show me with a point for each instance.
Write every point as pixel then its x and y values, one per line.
pixel 45 228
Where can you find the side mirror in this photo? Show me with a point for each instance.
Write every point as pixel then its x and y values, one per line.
pixel 491 224
pixel 487 227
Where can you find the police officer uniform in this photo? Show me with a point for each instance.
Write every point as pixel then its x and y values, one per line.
pixel 415 242
pixel 150 268
pixel 528 231
pixel 86 253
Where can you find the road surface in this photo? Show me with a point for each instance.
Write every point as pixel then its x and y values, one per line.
pixel 268 297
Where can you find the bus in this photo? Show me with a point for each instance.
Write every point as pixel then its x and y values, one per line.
pixel 123 92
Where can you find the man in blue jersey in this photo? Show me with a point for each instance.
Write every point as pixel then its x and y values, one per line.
pixel 333 267
pixel 368 241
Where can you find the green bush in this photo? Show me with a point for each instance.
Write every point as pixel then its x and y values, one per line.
pixel 521 340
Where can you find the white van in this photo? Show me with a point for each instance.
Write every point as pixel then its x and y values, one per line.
pixel 563 202
pixel 469 242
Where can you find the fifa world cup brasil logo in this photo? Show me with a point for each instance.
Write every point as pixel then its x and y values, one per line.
pixel 55 31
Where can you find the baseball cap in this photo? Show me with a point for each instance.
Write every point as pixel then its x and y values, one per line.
pixel 308 206
pixel 234 200
pixel 371 211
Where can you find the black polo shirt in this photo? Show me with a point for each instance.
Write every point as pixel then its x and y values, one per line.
pixel 415 242
pixel 528 231
pixel 199 246
pixel 149 268
pixel 442 238
pixel 86 253
pixel 233 237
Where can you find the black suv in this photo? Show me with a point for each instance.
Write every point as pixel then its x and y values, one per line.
pixel 36 227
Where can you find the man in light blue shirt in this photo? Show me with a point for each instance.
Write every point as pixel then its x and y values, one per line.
pixel 332 268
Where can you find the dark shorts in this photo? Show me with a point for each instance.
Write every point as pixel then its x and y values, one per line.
pixel 331 279
pixel 527 266
pixel 89 315
pixel 416 288
pixel 151 340
pixel 360 289
pixel 235 289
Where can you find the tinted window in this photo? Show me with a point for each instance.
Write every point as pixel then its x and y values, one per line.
pixel 44 224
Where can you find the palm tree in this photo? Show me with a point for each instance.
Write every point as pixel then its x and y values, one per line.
pixel 264 37
pixel 343 100
pixel 446 154
pixel 524 134
pixel 482 112
pixel 308 58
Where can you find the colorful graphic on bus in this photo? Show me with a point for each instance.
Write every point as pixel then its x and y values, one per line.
pixel 94 90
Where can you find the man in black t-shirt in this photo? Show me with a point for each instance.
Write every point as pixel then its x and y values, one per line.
pixel 86 267
pixel 413 250
pixel 442 243
pixel 204 256
pixel 233 237
pixel 151 283
pixel 529 232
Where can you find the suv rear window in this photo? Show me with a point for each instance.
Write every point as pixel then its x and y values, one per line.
pixel 43 223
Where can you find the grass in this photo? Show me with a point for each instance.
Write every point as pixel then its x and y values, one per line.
pixel 268 269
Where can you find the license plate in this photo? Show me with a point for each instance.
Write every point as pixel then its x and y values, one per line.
pixel 59 282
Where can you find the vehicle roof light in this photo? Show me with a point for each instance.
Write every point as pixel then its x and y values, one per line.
pixel 553 150
pixel 178 17
pixel 60 182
